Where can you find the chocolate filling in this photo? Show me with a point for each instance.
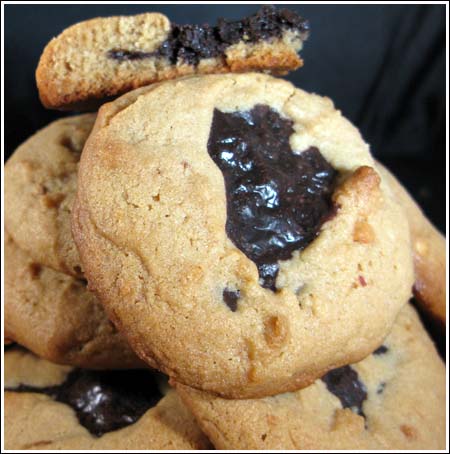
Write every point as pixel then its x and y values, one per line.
pixel 123 55
pixel 104 401
pixel 277 200
pixel 190 43
pixel 230 298
pixel 344 383
pixel 381 350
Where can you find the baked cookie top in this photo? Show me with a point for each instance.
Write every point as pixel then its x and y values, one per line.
pixel 108 56
pixel 40 184
pixel 56 407
pixel 393 399
pixel 241 219
pixel 56 317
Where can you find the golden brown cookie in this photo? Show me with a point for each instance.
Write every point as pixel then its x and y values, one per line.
pixel 40 183
pixel 428 251
pixel 393 399
pixel 47 407
pixel 237 233
pixel 106 57
pixel 55 316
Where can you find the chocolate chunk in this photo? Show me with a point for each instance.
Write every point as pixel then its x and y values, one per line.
pixel 190 43
pixel 268 23
pixel 277 200
pixel 35 270
pixel 231 298
pixel 104 401
pixel 124 55
pixel 381 350
pixel 83 282
pixel 344 383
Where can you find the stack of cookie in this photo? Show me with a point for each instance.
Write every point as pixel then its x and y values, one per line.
pixel 224 228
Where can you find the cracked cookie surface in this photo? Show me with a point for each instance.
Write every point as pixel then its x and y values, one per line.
pixel 393 399
pixel 150 221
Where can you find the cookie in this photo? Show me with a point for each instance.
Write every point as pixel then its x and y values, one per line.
pixel 40 182
pixel 55 316
pixel 47 406
pixel 393 399
pixel 196 222
pixel 428 251
pixel 106 57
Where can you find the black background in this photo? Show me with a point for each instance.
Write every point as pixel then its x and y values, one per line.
pixel 383 66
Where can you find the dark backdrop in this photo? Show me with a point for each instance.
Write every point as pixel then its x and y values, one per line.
pixel 384 67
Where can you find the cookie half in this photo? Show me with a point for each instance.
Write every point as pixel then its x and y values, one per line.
pixel 106 57
pixel 55 316
pixel 40 184
pixel 428 250
pixel 393 399
pixel 47 406
pixel 238 234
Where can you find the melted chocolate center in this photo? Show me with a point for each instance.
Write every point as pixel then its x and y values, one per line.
pixel 104 401
pixel 344 383
pixel 190 43
pixel 276 200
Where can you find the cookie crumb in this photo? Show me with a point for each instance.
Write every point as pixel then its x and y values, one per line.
pixel 409 431
pixel 275 330
pixel 363 232
pixel 362 281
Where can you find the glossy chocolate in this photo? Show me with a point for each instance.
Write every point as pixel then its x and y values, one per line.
pixel 277 200
pixel 190 43
pixel 104 401
pixel 344 383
